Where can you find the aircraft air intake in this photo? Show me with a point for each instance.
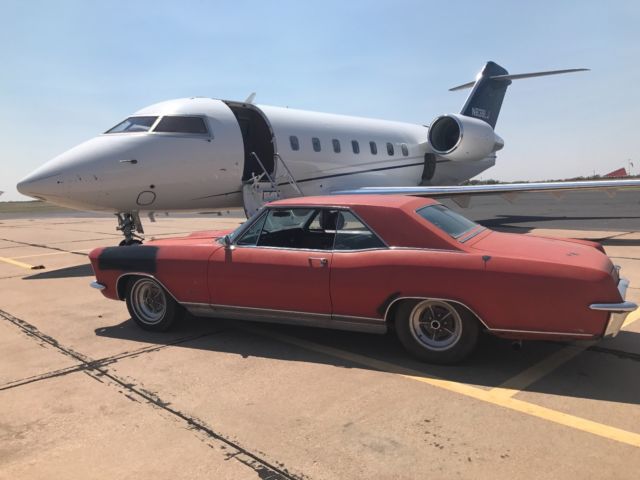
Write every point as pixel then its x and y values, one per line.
pixel 458 138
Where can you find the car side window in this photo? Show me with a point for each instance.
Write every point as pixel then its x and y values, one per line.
pixel 293 228
pixel 352 234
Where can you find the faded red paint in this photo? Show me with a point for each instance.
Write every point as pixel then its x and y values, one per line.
pixel 510 281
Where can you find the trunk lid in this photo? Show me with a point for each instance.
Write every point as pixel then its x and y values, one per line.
pixel 544 249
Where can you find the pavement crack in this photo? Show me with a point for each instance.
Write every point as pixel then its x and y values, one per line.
pixel 618 353
pixel 44 376
pixel 97 370
pixel 47 247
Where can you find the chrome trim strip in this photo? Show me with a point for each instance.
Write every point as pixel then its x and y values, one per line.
pixel 338 322
pixel 614 307
pixel 97 285
pixel 140 274
pixel 386 312
pixel 497 330
pixel 539 332
pixel 443 250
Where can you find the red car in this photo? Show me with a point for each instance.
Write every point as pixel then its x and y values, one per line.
pixel 368 263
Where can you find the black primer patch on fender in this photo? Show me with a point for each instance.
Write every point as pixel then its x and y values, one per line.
pixel 140 258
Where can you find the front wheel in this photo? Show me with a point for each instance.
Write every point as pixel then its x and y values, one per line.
pixel 436 331
pixel 149 304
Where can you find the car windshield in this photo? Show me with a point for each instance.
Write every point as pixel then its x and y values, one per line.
pixel 133 125
pixel 451 222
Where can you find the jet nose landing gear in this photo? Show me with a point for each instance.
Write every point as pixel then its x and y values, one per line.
pixel 130 225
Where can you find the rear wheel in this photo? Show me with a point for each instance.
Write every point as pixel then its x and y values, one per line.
pixel 149 304
pixel 436 331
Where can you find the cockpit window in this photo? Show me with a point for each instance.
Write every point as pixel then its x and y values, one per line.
pixel 133 124
pixel 181 124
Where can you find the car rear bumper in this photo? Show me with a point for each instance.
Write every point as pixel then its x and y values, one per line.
pixel 618 311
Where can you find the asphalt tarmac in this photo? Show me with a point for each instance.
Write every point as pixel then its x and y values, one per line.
pixel 84 393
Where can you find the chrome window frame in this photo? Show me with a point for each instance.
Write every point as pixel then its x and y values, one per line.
pixel 265 211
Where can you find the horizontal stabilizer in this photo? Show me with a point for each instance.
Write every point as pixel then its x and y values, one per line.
pixel 520 76
pixel 507 190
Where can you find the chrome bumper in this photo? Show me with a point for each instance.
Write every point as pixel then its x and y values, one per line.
pixel 97 285
pixel 619 311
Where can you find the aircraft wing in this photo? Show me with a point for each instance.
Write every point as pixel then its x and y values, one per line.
pixel 462 194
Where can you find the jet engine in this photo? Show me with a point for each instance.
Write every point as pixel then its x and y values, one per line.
pixel 458 137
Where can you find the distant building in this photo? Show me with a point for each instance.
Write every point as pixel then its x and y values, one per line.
pixel 619 173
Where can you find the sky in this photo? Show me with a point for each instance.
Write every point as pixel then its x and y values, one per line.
pixel 72 69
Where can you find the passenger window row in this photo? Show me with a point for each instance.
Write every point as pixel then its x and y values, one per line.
pixel 355 146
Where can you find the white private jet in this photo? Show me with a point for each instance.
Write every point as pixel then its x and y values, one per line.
pixel 198 154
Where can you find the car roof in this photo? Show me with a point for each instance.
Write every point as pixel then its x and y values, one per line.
pixel 397 201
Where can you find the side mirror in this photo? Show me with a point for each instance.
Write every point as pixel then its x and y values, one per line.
pixel 226 240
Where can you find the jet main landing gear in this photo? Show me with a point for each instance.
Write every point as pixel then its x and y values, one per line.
pixel 130 225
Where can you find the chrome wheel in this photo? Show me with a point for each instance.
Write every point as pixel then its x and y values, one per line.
pixel 149 301
pixel 435 324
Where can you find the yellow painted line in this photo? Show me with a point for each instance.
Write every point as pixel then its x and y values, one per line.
pixel 561 418
pixel 52 253
pixel 540 370
pixel 524 379
pixel 632 317
pixel 16 263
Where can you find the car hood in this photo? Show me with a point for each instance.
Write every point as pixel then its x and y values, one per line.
pixel 572 252
pixel 206 236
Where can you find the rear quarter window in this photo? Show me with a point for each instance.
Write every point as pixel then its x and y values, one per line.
pixel 447 220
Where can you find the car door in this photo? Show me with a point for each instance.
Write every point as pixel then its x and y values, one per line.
pixel 279 263
pixel 361 271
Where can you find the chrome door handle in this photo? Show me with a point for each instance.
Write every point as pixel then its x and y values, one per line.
pixel 323 261
pixel 133 161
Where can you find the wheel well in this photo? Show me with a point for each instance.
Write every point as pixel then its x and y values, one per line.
pixel 121 286
pixel 390 316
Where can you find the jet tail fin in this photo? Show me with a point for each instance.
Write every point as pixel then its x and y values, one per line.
pixel 489 87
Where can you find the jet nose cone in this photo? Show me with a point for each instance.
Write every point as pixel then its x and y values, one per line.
pixel 37 184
